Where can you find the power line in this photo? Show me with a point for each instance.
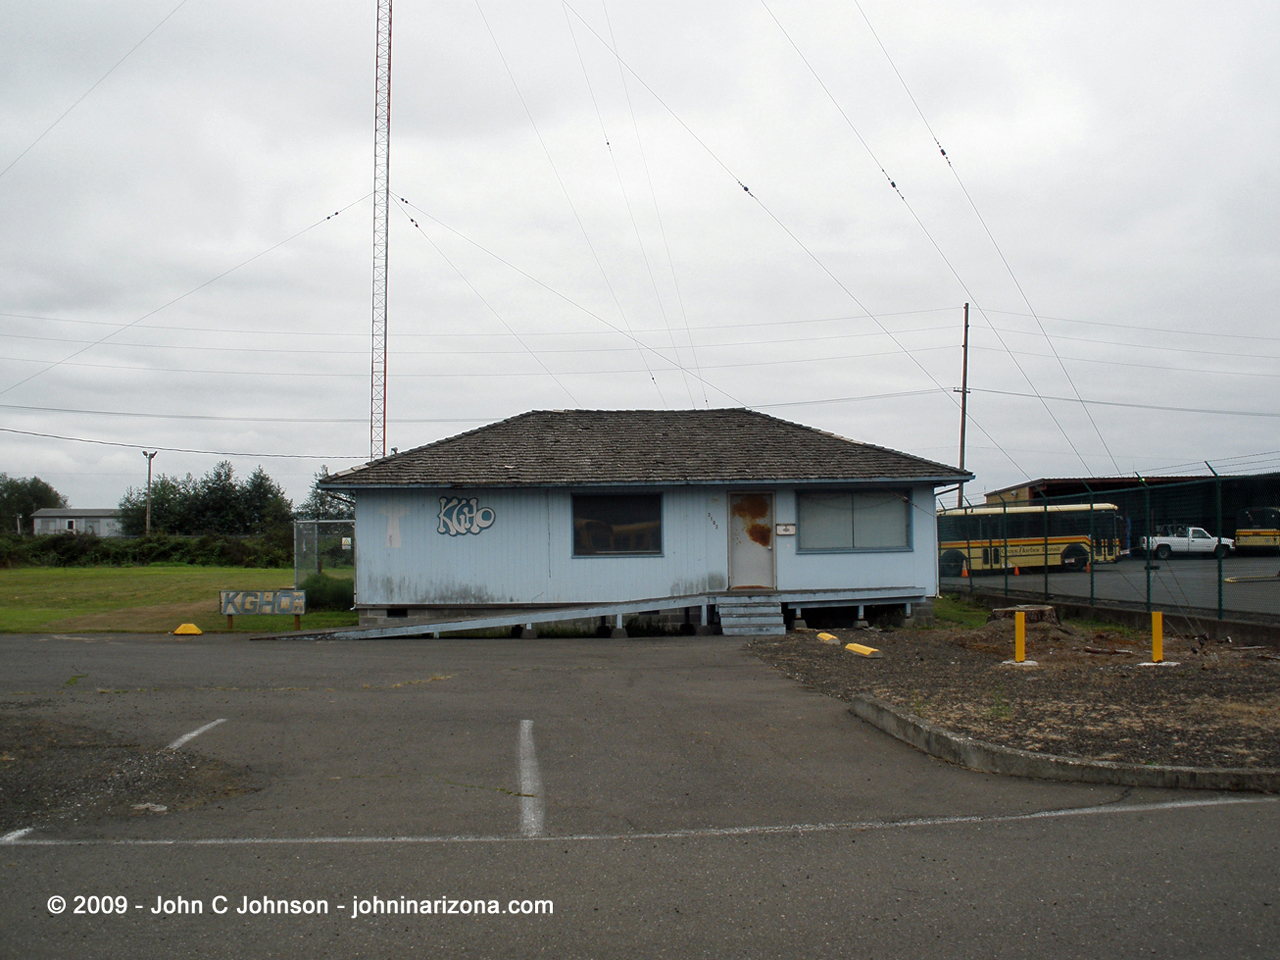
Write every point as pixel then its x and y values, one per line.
pixel 710 344
pixel 1162 332
pixel 229 419
pixel 64 113
pixel 1205 371
pixel 194 289
pixel 1135 406
pixel 466 373
pixel 1199 351
pixel 829 400
pixel 550 333
pixel 915 216
pixel 991 237
pixel 490 307
pixel 1240 460
pixel 626 200
pixel 747 190
pixel 212 453
pixel 349 420
pixel 488 352
pixel 573 303
pixel 568 198
pixel 596 351
pixel 657 212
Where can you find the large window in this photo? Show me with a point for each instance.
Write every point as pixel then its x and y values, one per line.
pixel 879 520
pixel 617 524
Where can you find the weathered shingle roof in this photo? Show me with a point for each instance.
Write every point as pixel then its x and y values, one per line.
pixel 588 447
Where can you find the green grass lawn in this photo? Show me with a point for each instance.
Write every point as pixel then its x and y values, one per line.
pixel 958 610
pixel 152 599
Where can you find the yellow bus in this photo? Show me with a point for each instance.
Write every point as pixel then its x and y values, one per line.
pixel 1258 528
pixel 1066 535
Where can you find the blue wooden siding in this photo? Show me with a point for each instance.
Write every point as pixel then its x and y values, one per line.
pixel 917 566
pixel 525 554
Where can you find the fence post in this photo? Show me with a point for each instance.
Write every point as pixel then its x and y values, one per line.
pixel 1146 492
pixel 1004 525
pixel 967 569
pixel 1092 598
pixel 1217 551
pixel 1046 549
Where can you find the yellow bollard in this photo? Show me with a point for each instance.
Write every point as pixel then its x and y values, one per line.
pixel 1157 636
pixel 1019 636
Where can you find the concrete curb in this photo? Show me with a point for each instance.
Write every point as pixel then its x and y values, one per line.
pixel 991 758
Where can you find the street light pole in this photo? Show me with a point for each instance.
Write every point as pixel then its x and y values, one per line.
pixel 964 402
pixel 150 457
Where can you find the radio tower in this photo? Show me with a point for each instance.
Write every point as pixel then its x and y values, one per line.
pixel 381 196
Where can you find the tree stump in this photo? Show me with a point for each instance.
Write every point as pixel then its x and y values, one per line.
pixel 1035 613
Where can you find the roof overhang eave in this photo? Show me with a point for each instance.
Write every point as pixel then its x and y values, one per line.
pixel 936 480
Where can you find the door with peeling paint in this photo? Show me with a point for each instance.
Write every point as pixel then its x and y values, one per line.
pixel 751 554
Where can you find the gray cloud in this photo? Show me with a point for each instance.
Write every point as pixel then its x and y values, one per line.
pixel 1123 156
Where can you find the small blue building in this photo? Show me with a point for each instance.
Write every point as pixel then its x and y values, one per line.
pixel 727 514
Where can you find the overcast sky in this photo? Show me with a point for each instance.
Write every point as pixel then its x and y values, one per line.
pixel 583 238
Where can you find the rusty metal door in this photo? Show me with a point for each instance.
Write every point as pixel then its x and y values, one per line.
pixel 751 554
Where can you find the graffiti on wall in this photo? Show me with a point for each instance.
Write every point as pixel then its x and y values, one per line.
pixel 462 515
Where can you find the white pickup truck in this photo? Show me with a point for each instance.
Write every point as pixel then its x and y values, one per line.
pixel 1192 541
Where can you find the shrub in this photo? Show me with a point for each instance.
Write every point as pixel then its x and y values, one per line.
pixel 329 593
pixel 87 550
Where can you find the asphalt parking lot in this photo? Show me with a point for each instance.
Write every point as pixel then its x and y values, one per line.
pixel 1252 584
pixel 667 798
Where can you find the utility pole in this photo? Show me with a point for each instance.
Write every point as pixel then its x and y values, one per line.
pixel 964 401
pixel 381 198
pixel 150 457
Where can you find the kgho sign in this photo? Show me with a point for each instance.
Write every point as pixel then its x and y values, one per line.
pixel 237 603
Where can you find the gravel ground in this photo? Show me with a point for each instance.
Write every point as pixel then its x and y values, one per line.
pixel 52 772
pixel 1087 698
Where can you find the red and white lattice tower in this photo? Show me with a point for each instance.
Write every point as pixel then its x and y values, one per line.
pixel 381 197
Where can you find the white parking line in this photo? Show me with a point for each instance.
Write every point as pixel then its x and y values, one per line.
pixel 194 733
pixel 16 835
pixel 531 808
pixel 1108 809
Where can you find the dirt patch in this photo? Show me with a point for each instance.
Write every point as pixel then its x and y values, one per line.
pixel 1088 698
pixel 54 772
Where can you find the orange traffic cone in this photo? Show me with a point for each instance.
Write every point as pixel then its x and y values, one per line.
pixel 1017 572
pixel 964 571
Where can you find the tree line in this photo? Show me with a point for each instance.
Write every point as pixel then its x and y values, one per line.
pixel 20 498
pixel 217 503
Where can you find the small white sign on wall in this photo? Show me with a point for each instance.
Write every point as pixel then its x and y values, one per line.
pixel 786 529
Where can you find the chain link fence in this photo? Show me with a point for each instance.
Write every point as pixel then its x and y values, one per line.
pixel 1206 547
pixel 323 546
